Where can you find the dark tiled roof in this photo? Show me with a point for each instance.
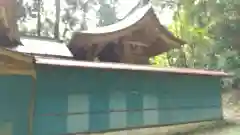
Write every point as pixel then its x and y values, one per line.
pixel 139 19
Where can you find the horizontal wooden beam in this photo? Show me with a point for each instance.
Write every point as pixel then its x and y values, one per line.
pixel 12 62
pixel 135 43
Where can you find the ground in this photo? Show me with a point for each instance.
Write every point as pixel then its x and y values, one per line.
pixel 229 126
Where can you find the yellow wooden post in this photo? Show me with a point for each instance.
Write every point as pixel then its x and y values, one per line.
pixel 32 107
pixel 3 16
pixel 8 18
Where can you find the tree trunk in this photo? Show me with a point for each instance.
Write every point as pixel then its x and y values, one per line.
pixel 84 21
pixel 169 59
pixel 39 25
pixel 56 29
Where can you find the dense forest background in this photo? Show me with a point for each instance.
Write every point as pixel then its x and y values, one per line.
pixel 210 27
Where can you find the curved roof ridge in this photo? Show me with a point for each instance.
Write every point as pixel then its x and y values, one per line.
pixel 125 23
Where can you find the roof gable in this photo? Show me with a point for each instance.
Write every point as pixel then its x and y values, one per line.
pixel 142 28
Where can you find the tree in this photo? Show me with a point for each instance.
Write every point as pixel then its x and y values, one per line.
pixel 107 13
pixel 212 36
pixel 56 28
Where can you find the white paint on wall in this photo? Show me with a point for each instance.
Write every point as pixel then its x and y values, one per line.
pixel 118 102
pixel 5 128
pixel 151 116
pixel 78 122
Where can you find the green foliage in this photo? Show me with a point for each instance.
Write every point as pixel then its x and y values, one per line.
pixel 160 60
pixel 211 28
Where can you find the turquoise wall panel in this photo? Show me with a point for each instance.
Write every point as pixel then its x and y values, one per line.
pixel 78 103
pixel 14 102
pixel 75 100
pixel 118 101
pixel 99 109
pixel 134 107
pixel 169 117
pixel 51 102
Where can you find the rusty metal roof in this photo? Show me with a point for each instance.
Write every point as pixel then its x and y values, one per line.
pixel 129 67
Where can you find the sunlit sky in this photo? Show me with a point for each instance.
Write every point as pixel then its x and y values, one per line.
pixel 124 7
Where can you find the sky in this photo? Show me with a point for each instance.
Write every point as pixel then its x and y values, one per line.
pixel 124 7
pixel 127 5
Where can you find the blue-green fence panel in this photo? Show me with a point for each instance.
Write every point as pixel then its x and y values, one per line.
pixel 71 100
pixel 14 102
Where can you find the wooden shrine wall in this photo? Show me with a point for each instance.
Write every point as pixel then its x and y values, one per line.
pixel 76 100
pixel 71 100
